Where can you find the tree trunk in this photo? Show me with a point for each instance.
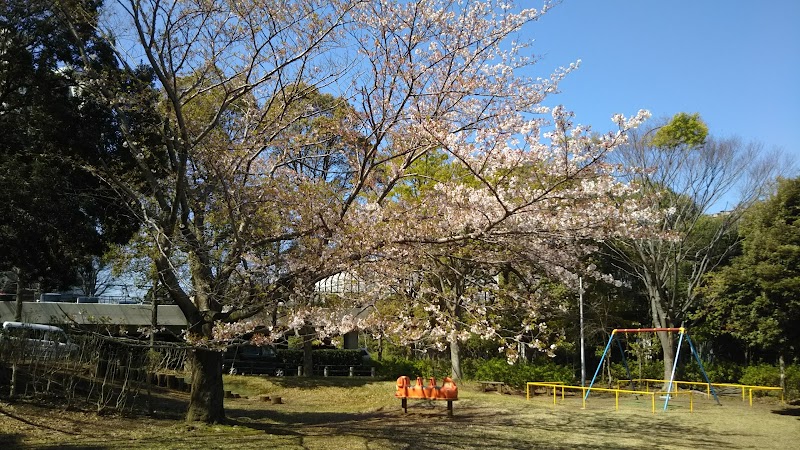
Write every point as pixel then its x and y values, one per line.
pixel 206 400
pixel 782 366
pixel 12 394
pixel 308 349
pixel 455 359
pixel 18 308
pixel 667 340
pixel 662 319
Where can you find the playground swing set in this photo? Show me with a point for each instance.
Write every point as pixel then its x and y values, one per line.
pixel 682 334
pixel 672 384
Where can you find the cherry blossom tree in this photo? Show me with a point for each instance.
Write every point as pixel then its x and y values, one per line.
pixel 530 214
pixel 262 204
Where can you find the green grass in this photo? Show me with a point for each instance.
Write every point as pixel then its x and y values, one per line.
pixel 340 413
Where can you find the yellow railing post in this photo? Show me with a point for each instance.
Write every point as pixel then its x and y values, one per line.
pixel 583 396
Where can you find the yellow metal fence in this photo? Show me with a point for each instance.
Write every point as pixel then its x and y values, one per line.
pixel 564 387
pixel 745 389
pixel 557 387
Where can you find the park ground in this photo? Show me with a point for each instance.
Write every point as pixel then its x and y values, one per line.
pixel 363 414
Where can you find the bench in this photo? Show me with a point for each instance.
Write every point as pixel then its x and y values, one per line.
pixel 498 386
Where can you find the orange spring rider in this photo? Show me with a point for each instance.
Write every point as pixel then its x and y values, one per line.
pixel 448 390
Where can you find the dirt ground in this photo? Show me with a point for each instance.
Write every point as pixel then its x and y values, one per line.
pixel 331 414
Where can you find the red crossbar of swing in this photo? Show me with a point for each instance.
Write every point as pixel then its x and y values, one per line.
pixel 643 330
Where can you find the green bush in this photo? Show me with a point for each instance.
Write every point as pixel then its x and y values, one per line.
pixel 650 369
pixel 469 367
pixel 722 372
pixel 432 367
pixel 769 375
pixel 761 375
pixel 517 375
pixel 792 381
pixel 394 367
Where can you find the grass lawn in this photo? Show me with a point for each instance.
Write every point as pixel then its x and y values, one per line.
pixel 340 413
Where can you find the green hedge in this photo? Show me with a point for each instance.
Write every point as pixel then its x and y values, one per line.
pixel 290 358
pixel 517 375
pixel 323 357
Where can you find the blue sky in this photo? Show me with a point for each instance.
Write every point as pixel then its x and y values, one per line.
pixel 736 63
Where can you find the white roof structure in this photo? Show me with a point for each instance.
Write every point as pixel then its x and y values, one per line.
pixel 341 283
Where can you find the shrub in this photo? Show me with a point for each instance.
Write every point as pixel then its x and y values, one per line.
pixel 469 367
pixel 517 375
pixel 338 357
pixel 792 381
pixel 722 372
pixel 394 367
pixel 769 375
pixel 761 375
pixel 432 367
pixel 650 369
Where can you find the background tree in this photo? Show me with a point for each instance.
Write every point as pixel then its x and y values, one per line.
pixel 57 216
pixel 756 299
pixel 688 174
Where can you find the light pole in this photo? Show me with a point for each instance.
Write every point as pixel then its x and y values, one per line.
pixel 583 355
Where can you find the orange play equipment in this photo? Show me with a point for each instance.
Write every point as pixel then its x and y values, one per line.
pixel 448 391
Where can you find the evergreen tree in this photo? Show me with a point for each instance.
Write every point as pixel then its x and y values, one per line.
pixel 756 299
pixel 57 215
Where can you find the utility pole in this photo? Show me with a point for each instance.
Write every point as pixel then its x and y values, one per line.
pixel 583 355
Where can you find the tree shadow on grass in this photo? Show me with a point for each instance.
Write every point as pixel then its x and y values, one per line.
pixel 787 411
pixel 77 446
pixel 417 430
pixel 10 440
pixel 429 427
pixel 317 382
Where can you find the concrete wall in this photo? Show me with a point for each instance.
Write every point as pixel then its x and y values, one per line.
pixel 93 314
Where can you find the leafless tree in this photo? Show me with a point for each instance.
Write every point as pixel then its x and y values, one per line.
pixel 702 191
